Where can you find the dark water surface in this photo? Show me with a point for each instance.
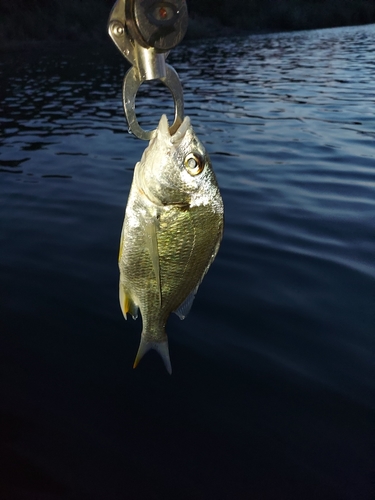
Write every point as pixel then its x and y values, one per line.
pixel 272 394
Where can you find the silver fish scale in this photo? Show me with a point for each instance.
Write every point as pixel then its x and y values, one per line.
pixel 186 248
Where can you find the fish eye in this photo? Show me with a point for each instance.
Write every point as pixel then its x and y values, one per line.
pixel 194 163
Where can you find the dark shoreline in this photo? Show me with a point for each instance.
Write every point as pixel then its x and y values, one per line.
pixel 278 20
pixel 15 45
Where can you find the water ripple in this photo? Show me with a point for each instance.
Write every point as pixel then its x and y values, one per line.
pixel 289 122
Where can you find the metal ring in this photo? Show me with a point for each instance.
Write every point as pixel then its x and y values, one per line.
pixel 132 82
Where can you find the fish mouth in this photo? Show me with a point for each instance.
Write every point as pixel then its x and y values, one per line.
pixel 177 137
pixel 150 181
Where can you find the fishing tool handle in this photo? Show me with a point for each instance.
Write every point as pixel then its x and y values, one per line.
pixel 145 31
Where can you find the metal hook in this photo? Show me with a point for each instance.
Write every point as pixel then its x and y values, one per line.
pixel 132 82
pixel 145 40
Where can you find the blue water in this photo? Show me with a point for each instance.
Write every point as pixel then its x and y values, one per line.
pixel 272 392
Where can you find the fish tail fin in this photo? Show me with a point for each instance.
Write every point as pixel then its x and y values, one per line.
pixel 161 347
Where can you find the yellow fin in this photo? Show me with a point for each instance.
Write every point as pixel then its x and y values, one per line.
pixel 126 303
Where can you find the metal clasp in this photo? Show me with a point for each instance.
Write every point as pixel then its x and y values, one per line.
pixel 145 31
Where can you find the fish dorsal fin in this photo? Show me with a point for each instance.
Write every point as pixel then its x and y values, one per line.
pixel 183 309
pixel 152 245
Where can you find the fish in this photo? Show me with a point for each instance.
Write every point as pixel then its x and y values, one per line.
pixel 171 233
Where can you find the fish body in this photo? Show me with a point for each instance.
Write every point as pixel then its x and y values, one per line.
pixel 171 233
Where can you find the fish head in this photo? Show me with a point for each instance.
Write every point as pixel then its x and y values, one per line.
pixel 176 169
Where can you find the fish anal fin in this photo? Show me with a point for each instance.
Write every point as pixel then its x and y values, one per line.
pixel 161 347
pixel 126 303
pixel 183 309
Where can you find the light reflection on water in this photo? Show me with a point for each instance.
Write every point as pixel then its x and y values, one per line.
pixel 289 122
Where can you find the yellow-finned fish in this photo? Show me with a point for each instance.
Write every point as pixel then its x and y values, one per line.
pixel 171 233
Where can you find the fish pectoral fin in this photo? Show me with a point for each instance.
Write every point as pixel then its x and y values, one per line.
pixel 183 309
pixel 152 245
pixel 160 347
pixel 121 246
pixel 126 303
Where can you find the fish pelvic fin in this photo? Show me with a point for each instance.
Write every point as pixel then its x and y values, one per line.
pixel 126 303
pixel 161 347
